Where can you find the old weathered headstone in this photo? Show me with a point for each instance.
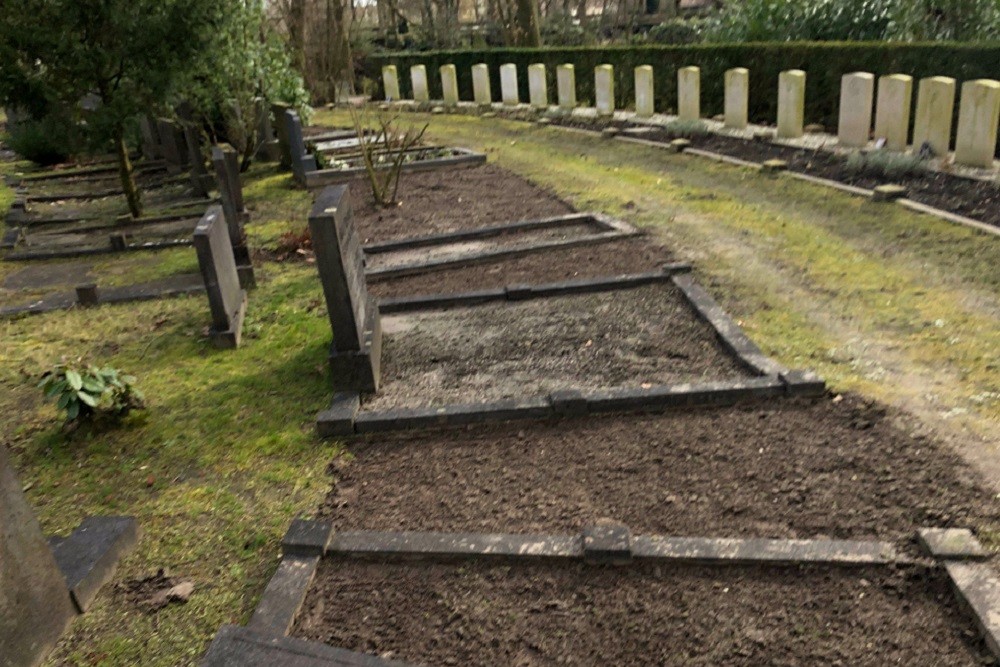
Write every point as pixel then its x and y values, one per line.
pixel 172 145
pixel 418 82
pixel 227 173
pixel 737 98
pixel 791 104
pixel 481 92
pixel 301 162
pixel 226 299
pixel 892 110
pixel 508 84
pixel 199 177
pixel 566 87
pixel 267 143
pixel 355 356
pixel 604 89
pixel 449 85
pixel 857 90
pixel 644 91
pixel 538 88
pixel 978 116
pixel 35 603
pixel 935 111
pixel 278 110
pixel 689 93
pixel 150 138
pixel 390 83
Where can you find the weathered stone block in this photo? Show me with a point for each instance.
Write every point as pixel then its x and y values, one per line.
pixel 390 83
pixel 607 543
pixel 892 110
pixel 418 81
pixel 538 87
pixel 857 91
pixel 644 104
pixel 978 119
pixel 951 543
pixel 508 84
pixel 935 109
pixel 566 87
pixel 737 98
pixel 481 92
pixel 449 85
pixel 226 299
pixel 604 89
pixel 689 93
pixel 791 104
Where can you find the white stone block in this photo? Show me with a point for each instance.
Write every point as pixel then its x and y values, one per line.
pixel 791 104
pixel 737 98
pixel 604 89
pixel 418 80
pixel 644 105
pixel 449 85
pixel 978 118
pixel 481 92
pixel 508 84
pixel 857 91
pixel 538 87
pixel 935 111
pixel 689 93
pixel 390 83
pixel 892 110
pixel 566 87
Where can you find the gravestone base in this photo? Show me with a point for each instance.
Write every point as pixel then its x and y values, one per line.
pixel 230 338
pixel 89 556
pixel 359 370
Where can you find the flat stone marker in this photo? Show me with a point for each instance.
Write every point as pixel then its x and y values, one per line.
pixel 737 98
pixel 935 109
pixel 481 92
pixel 978 118
pixel 508 85
pixel 226 299
pixel 892 110
pixel 355 356
pixel 418 81
pixel 35 604
pixel 951 543
pixel 538 87
pixel 604 90
pixel 689 93
pixel 855 120
pixel 301 162
pixel 888 192
pixel 449 85
pixel 791 104
pixel 566 87
pixel 227 174
pixel 390 83
pixel 644 105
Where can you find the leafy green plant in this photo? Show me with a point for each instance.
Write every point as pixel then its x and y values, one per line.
pixel 885 164
pixel 675 31
pixel 85 392
pixel 50 140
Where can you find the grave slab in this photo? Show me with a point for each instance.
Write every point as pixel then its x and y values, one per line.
pixel 227 300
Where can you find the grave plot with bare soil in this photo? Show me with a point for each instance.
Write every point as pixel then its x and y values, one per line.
pixel 636 337
pixel 84 240
pixel 546 614
pixel 784 469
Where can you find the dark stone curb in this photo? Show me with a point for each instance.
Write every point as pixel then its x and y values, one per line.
pixel 83 174
pixel 87 252
pixel 950 544
pixel 462 157
pixel 284 595
pixel 978 590
pixel 89 556
pixel 242 647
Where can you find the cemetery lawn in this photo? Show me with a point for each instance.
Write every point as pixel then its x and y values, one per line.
pixel 900 307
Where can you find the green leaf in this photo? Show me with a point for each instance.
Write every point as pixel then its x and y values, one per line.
pixel 56 388
pixel 74 379
pixel 64 401
pixel 73 411
pixel 94 385
pixel 87 398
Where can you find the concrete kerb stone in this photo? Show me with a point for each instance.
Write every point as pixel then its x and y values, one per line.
pixel 306 537
pixel 89 556
pixel 951 544
pixel 243 647
pixel 461 157
pixel 978 590
pixel 283 597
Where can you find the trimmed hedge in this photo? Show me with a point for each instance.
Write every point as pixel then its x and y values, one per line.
pixel 824 63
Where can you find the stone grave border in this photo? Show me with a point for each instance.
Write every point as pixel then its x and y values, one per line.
pixel 460 157
pixel 119 243
pixel 609 230
pixel 96 172
pixel 306 542
pixel 344 417
pixel 176 211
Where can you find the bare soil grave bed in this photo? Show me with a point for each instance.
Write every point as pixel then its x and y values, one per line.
pixel 48 242
pixel 783 469
pixel 545 614
pixel 636 337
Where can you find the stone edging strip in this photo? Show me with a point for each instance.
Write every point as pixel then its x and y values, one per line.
pixel 461 157
pixel 25 256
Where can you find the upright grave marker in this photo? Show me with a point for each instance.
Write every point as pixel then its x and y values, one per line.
pixel 227 173
pixel 935 108
pixel 355 356
pixel 390 83
pixel 566 87
pixel 449 85
pixel 418 81
pixel 508 85
pixel 855 120
pixel 644 106
pixel 978 117
pixel 689 93
pixel 300 161
pixel 200 180
pixel 538 87
pixel 737 100
pixel 278 110
pixel 604 90
pixel 172 145
pixel 267 144
pixel 791 104
pixel 226 299
pixel 150 138
pixel 481 92
pixel 892 110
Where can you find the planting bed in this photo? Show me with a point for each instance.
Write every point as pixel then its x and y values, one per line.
pixel 788 469
pixel 540 614
pixel 636 337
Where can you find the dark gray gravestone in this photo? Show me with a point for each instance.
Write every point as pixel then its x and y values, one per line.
pixel 302 162
pixel 355 356
pixel 35 604
pixel 226 299
pixel 227 174
pixel 200 180
pixel 267 144
pixel 150 138
pixel 284 154
pixel 172 145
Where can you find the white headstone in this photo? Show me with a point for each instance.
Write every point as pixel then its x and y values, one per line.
pixel 566 87
pixel 418 80
pixel 892 110
pixel 855 120
pixel 935 111
pixel 737 98
pixel 644 105
pixel 481 92
pixel 689 93
pixel 791 104
pixel 537 86
pixel 449 85
pixel 604 89
pixel 508 84
pixel 978 117
pixel 390 82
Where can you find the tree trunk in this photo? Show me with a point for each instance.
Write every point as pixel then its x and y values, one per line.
pixel 296 24
pixel 132 195
pixel 527 23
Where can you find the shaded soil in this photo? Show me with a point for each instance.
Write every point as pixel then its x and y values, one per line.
pixel 477 613
pixel 623 256
pixel 785 469
pixel 641 336
pixel 452 199
pixel 49 275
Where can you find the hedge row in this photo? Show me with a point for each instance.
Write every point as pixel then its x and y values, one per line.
pixel 824 63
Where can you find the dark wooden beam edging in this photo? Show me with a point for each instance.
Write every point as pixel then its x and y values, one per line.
pixel 461 157
pixel 154 165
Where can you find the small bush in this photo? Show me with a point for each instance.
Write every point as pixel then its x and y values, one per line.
pixel 48 141
pixel 686 129
pixel 676 31
pixel 885 164
pixel 86 392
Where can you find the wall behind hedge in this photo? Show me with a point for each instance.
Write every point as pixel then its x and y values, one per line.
pixel 824 63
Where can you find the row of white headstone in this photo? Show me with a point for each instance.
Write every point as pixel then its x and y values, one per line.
pixel 978 118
